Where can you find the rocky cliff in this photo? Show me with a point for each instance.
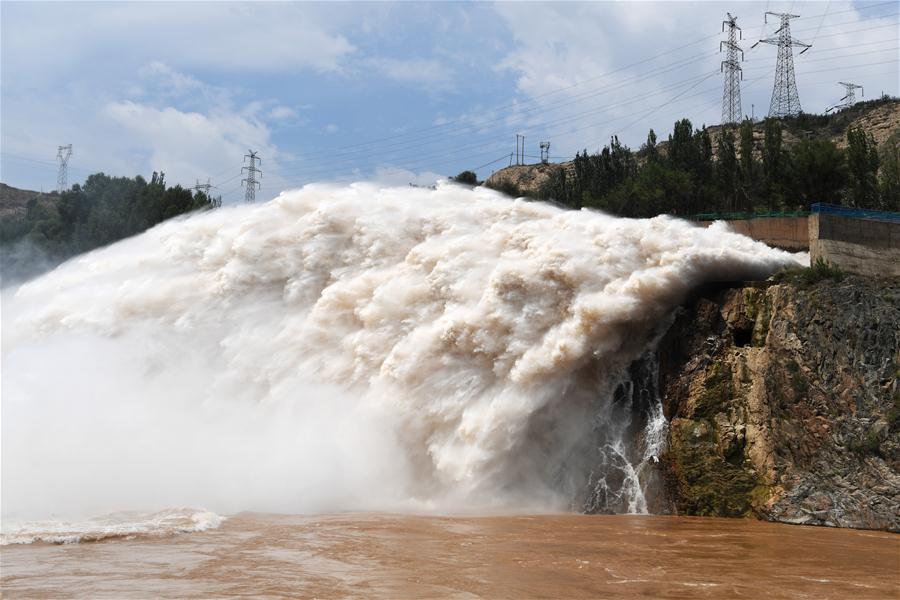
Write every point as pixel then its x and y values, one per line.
pixel 783 402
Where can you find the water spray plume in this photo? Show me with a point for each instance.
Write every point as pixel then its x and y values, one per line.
pixel 349 348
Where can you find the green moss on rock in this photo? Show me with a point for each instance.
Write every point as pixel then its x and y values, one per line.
pixel 710 485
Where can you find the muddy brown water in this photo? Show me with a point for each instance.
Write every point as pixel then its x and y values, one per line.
pixel 400 556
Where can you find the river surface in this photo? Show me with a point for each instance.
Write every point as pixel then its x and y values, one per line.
pixel 401 556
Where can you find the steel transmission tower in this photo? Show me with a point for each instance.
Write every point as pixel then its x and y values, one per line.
pixel 63 154
pixel 785 99
pixel 545 152
pixel 251 182
pixel 214 201
pixel 203 187
pixel 849 98
pixel 731 95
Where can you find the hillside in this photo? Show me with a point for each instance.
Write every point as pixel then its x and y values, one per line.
pixel 14 201
pixel 880 118
pixel 38 231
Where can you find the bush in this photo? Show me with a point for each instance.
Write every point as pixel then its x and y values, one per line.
pixel 820 271
pixel 466 178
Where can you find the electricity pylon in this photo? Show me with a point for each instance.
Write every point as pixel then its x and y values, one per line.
pixel 251 183
pixel 203 187
pixel 731 95
pixel 785 99
pixel 849 98
pixel 216 201
pixel 63 154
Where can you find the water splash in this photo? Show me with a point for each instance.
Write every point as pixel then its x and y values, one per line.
pixel 349 348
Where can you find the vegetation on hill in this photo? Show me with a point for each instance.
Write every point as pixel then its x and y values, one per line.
pixel 103 210
pixel 691 173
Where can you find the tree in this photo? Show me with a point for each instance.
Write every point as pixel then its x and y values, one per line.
pixel 728 172
pixel 862 159
pixel 889 184
pixel 649 149
pixel 818 172
pixel 101 211
pixel 702 171
pixel 748 166
pixel 683 147
pixel 656 189
pixel 773 163
pixel 467 178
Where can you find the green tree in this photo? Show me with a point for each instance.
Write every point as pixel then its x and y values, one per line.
pixel 889 184
pixel 774 164
pixel 656 189
pixel 818 172
pixel 728 173
pixel 467 178
pixel 862 160
pixel 683 147
pixel 748 167
pixel 650 149
pixel 101 211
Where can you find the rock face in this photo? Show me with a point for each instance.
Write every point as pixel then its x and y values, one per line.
pixel 783 402
pixel 524 179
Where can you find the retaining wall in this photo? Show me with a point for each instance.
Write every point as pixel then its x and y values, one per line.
pixel 789 233
pixel 862 246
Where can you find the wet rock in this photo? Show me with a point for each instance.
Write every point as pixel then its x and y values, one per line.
pixel 784 403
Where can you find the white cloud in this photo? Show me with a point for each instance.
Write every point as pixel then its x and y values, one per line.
pixel 188 145
pixel 167 77
pixel 222 36
pixel 569 57
pixel 415 71
pixel 390 175
pixel 282 113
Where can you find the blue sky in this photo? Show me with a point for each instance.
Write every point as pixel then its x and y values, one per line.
pixel 398 92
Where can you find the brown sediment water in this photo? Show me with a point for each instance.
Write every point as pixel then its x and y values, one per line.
pixel 402 556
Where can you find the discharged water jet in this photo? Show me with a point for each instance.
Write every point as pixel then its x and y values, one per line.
pixel 352 348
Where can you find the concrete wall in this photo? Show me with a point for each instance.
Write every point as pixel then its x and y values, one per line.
pixel 864 246
pixel 790 233
pixel 859 245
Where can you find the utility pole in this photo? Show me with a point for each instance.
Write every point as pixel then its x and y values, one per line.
pixel 785 99
pixel 520 149
pixel 849 98
pixel 731 95
pixel 251 183
pixel 545 152
pixel 63 154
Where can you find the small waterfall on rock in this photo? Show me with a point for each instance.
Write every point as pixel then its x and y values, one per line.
pixel 354 348
pixel 629 435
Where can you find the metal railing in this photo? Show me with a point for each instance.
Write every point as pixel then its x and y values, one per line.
pixel 856 213
pixel 743 216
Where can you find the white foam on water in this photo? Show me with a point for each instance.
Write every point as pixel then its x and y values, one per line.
pixel 126 525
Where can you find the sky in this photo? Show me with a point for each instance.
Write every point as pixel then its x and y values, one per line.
pixel 398 93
